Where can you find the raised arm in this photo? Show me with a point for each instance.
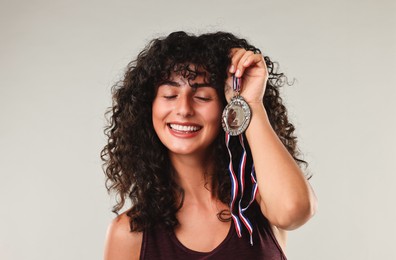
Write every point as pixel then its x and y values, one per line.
pixel 285 196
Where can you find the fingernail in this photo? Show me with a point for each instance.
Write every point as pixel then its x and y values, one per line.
pixel 232 68
pixel 238 73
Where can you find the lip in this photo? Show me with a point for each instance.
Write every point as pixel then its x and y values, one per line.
pixel 184 134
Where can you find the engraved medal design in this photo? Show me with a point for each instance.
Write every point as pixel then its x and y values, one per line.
pixel 237 114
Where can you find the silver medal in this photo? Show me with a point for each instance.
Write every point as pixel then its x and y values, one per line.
pixel 236 116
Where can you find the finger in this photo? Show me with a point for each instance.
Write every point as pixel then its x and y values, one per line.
pixel 233 51
pixel 236 54
pixel 251 59
pixel 244 61
pixel 256 60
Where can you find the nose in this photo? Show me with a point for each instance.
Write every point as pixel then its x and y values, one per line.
pixel 184 106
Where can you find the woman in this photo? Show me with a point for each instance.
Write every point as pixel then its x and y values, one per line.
pixel 167 153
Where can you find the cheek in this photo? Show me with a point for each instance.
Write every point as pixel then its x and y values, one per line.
pixel 156 114
pixel 214 116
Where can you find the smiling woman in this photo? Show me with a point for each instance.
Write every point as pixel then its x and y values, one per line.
pixel 186 118
pixel 168 154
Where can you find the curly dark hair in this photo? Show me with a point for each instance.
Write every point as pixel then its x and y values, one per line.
pixel 136 163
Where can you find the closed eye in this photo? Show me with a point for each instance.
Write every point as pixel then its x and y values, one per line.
pixel 170 96
pixel 204 98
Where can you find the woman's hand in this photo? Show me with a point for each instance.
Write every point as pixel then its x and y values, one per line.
pixel 251 68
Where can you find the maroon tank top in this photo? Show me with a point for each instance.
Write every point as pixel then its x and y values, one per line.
pixel 159 244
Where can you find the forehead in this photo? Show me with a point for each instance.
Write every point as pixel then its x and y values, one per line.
pixel 178 79
pixel 189 75
pixel 188 70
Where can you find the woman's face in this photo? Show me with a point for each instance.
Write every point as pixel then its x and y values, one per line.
pixel 186 119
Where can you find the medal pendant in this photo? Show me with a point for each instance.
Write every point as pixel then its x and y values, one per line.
pixel 236 116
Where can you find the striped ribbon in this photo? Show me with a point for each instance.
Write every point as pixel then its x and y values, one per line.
pixel 236 84
pixel 240 216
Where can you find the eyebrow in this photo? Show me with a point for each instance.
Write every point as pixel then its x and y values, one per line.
pixel 176 84
pixel 170 83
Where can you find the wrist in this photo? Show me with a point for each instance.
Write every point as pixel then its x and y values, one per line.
pixel 259 116
pixel 257 108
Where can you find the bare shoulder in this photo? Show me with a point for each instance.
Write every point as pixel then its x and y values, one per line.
pixel 121 243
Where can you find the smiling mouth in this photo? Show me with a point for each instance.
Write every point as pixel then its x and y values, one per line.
pixel 185 128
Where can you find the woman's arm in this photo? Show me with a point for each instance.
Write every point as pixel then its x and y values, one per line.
pixel 121 244
pixel 285 196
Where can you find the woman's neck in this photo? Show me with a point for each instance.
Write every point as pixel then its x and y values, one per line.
pixel 193 175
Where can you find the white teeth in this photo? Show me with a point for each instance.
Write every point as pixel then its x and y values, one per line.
pixel 184 128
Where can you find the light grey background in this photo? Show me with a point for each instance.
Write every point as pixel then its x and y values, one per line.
pixel 58 60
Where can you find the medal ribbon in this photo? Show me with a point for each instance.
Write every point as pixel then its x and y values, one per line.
pixel 236 85
pixel 240 217
pixel 242 164
pixel 234 188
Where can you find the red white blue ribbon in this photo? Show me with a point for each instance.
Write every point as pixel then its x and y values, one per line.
pixel 234 189
pixel 241 210
pixel 239 181
pixel 236 84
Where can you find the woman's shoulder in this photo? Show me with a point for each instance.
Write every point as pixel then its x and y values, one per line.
pixel 121 243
